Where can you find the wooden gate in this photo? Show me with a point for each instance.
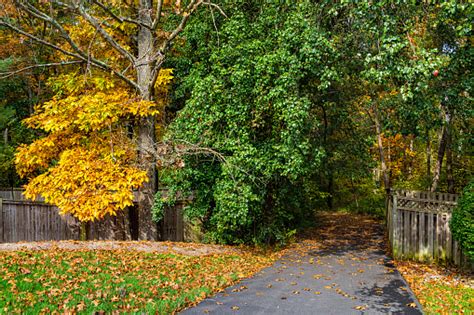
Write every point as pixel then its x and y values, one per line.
pixel 418 225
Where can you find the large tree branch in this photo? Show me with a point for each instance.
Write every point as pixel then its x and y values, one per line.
pixel 119 18
pixel 40 40
pixel 190 9
pixel 97 63
pixel 94 22
pixel 159 8
pixel 165 46
pixel 33 11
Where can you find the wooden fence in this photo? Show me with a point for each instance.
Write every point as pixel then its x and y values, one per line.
pixel 418 225
pixel 12 194
pixel 23 220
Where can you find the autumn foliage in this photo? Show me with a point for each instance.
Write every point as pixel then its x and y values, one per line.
pixel 120 280
pixel 86 163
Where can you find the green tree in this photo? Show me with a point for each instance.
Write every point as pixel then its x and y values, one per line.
pixel 294 97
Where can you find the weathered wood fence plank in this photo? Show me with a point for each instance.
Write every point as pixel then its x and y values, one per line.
pixel 21 220
pixel 24 220
pixel 1 218
pixel 418 225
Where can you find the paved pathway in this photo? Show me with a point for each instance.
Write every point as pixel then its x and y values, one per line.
pixel 339 268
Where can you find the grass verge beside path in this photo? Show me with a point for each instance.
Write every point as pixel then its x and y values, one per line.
pixel 439 290
pixel 116 281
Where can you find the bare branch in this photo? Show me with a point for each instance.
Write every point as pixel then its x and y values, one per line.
pixel 78 53
pixel 210 4
pixel 31 10
pixel 97 63
pixel 192 7
pixel 170 154
pixel 215 27
pixel 165 46
pixel 41 41
pixel 159 8
pixel 94 22
pixel 8 74
pixel 120 19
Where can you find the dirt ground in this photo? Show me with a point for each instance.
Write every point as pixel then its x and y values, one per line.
pixel 190 249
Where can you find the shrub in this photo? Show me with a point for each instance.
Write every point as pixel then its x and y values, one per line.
pixel 462 222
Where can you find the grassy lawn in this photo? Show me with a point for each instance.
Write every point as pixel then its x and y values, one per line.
pixel 115 280
pixel 439 290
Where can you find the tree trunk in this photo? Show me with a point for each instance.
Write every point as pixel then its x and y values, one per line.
pixel 378 129
pixel 428 158
pixel 443 143
pixel 449 164
pixel 354 192
pixel 83 231
pixel 410 161
pixel 439 160
pixel 147 229
pixel 330 199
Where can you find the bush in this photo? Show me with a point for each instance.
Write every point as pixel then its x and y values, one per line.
pixel 462 222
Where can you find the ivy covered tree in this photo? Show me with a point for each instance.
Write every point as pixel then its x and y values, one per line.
pixel 296 97
pixel 251 102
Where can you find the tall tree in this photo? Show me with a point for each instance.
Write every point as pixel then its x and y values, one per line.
pixel 293 96
pixel 130 41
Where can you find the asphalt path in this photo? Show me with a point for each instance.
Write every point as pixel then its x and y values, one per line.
pixel 341 269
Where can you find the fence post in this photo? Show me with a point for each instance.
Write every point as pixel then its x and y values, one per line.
pixel 395 243
pixel 1 220
pixel 388 216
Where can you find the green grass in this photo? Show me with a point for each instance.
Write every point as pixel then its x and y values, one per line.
pixel 440 298
pixel 95 281
pixel 440 290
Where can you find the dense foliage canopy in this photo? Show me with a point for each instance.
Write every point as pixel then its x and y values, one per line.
pixel 261 111
pixel 304 100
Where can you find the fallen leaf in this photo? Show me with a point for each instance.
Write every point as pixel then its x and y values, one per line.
pixel 25 271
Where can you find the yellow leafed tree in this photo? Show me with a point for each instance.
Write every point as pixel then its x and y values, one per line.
pixel 102 121
pixel 87 161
